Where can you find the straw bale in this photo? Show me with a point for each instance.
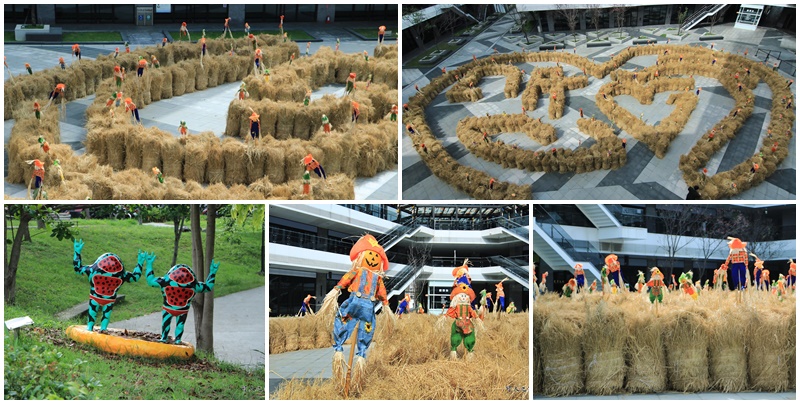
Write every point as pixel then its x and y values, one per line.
pixel 173 156
pixel 156 77
pixel 647 372
pixel 603 343
pixel 307 332
pixel 201 77
pixel 255 158
pixel 767 354
pixel 686 343
pixel 214 70
pixel 153 141
pixel 215 165
pixel 277 337
pixel 560 341
pixel 727 360
pixel 291 335
pixel 274 162
pixel 196 156
pixel 134 148
pixel 233 151
pixel 179 78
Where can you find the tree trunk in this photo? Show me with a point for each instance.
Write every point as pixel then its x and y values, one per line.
pixel 205 338
pixel 178 230
pixel 198 264
pixel 10 283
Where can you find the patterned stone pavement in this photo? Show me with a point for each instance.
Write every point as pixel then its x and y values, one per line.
pixel 644 177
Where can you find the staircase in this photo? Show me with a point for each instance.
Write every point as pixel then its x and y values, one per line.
pixel 599 215
pixel 397 233
pixel 400 281
pixel 702 14
pixel 463 14
pixel 517 227
pixel 512 270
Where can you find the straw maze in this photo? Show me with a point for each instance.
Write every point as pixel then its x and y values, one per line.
pixel 668 75
pixel 121 154
pixel 618 345
pixel 411 361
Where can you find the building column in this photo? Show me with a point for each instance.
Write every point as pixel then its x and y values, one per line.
pixel 551 22
pixel 320 290
pixel 45 13
pixel 611 18
pixel 236 14
pixel 583 20
pixel 324 11
pixel 669 14
pixel 639 16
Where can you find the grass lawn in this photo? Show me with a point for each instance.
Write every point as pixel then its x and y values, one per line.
pixel 129 378
pixel 9 37
pixel 48 259
pixel 294 34
pixel 372 33
pixel 81 37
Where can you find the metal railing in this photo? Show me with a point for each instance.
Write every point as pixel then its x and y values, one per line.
pixel 512 267
pixel 404 227
pixel 701 14
pixel 579 251
pixel 402 277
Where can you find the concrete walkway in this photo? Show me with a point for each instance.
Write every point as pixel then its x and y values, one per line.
pixel 644 176
pixel 306 364
pixel 202 110
pixel 239 331
pixel 749 395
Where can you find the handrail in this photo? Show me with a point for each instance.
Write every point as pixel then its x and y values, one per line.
pixel 567 243
pixel 512 267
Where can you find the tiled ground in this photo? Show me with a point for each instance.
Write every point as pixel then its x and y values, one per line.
pixel 644 176
pixel 202 111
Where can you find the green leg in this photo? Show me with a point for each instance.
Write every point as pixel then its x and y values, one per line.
pixel 92 314
pixel 179 323
pixel 455 337
pixel 106 316
pixel 469 341
pixel 166 320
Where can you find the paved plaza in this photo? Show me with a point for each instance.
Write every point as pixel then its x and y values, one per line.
pixel 202 110
pixel 645 176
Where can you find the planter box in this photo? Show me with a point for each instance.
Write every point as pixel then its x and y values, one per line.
pixel 434 57
pixel 554 37
pixel 591 44
pixel 551 45
pixel 618 40
pixel 21 34
pixel 455 41
pixel 676 36
pixel 711 37
pixel 644 41
pixel 574 40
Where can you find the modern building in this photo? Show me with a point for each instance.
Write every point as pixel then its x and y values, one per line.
pixel 675 238
pixel 309 249
pixel 149 14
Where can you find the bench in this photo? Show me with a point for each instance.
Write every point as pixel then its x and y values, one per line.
pixel 55 35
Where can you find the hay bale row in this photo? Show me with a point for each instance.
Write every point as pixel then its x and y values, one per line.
pixel 716 343
pixel 421 350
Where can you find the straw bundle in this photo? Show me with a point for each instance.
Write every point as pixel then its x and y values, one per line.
pixel 727 360
pixel 307 332
pixel 562 365
pixel 196 156
pixel 647 371
pixel 290 329
pixel 767 354
pixel 277 337
pixel 215 164
pixel 604 339
pixel 233 153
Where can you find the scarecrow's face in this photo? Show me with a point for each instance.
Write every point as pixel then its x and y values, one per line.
pixel 371 260
pixel 461 298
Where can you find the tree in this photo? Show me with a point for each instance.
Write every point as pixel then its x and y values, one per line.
pixel 523 21
pixel 415 17
pixel 759 234
pixel 619 16
pixel 569 13
pixel 713 20
pixel 25 214
pixel 677 220
pixel 203 303
pixel 712 226
pixel 419 254
pixel 177 214
pixel 595 13
pixel 682 17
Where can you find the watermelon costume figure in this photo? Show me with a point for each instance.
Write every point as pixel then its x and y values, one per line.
pixel 178 287
pixel 737 261
pixel 106 275
pixel 462 330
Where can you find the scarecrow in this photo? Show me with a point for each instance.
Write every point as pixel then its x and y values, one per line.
pixel 131 107
pixel 721 277
pixel 393 116
pixel 501 295
pixel 158 174
pixel 242 92
pixel 57 167
pixel 792 276
pixel 640 283
pixel 569 287
pixel 758 272
pixel 44 144
pixel 381 33
pixel 461 274
pixel 306 306
pixel 313 165
pixel 119 76
pixel 737 261
pixel 178 286
pixel 364 281
pixel 511 308
pixel 37 110
pixel 656 285
pixel 356 112
pixel 580 276
pixel 185 31
pixel 307 99
pixel 462 329
pixel 350 85
pixel 257 59
pixel 76 51
pixel 306 183
pixel 106 275
pixel 403 306
pixel 62 63
pixel 255 125
pixel 60 89
pixel 614 273
pixel 142 65
pixel 686 284
pixel 37 180
pixel 183 129
pixel 326 124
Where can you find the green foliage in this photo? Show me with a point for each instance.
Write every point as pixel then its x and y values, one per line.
pixel 39 372
pixel 243 217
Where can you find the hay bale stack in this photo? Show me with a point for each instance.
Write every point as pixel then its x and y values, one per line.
pixel 179 79
pixel 647 372
pixel 173 155
pixel 686 343
pixel 277 336
pixel 233 151
pixel 307 332
pixel 604 340
pixel 215 165
pixel 767 354
pixel 290 332
pixel 134 147
pixel 560 341
pixel 255 159
pixel 275 161
pixel 196 156
pixel 728 359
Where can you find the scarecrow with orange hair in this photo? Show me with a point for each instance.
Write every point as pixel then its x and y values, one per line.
pixel 403 306
pixel 381 33
pixel 656 285
pixel 791 277
pixel 37 180
pixel 686 284
pixel 614 273
pixel 737 261
pixel 721 277
pixel 461 274
pixel 580 276
pixel 462 331
pixel 759 272
pixel 255 125
pixel 313 165
pixel 350 85
pixel 364 281
pixel 501 295
pixel 570 287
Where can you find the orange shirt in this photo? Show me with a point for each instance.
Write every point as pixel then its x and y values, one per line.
pixel 362 280
pixel 142 63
